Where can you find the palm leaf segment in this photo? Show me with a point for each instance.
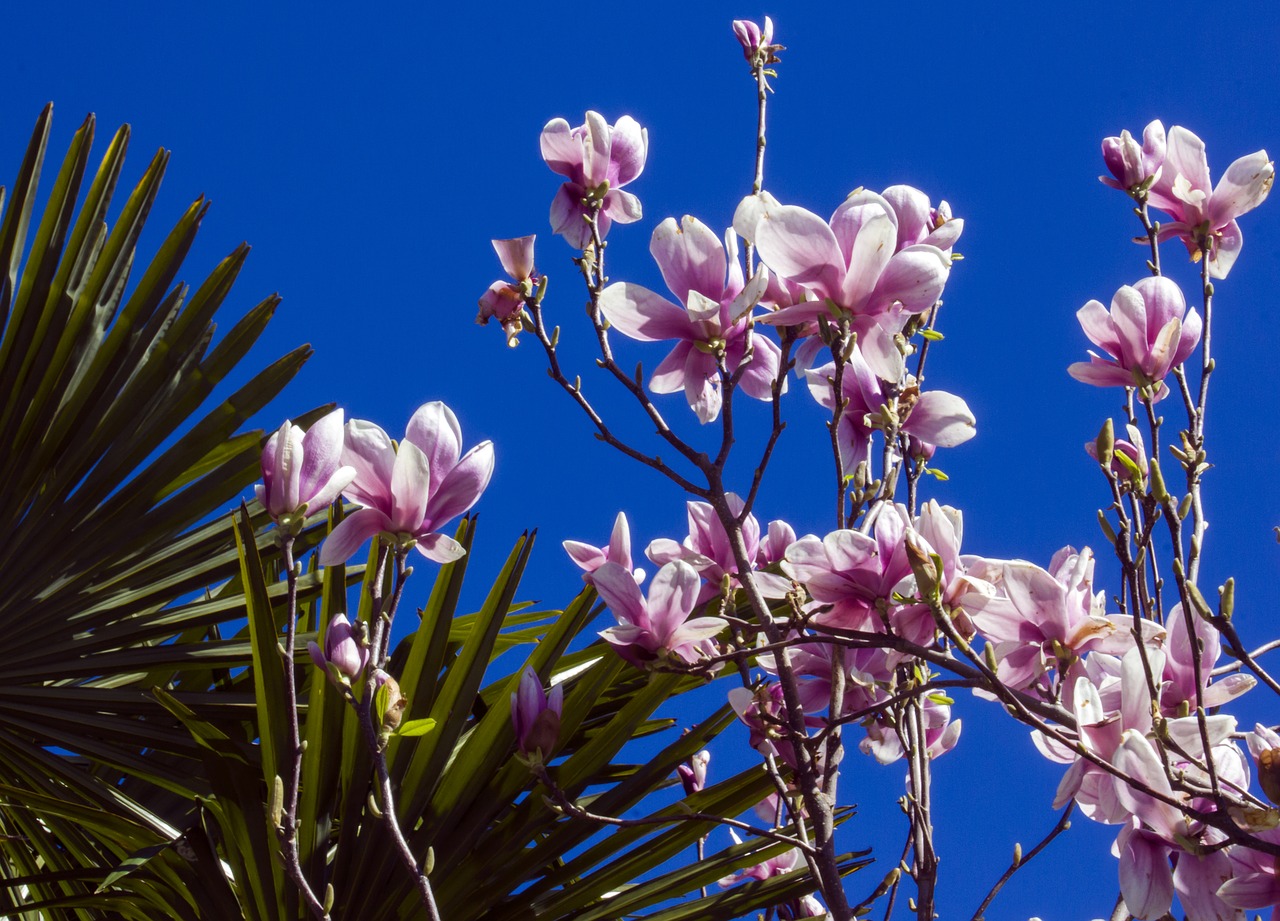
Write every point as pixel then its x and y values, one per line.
pixel 109 467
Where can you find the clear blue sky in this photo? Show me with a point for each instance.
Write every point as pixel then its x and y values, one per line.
pixel 370 151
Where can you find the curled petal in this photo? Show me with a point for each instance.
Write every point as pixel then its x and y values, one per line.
pixel 353 531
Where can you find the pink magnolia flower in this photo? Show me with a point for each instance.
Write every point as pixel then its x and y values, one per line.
pixel 852 266
pixel 1041 618
pixel 934 418
pixel 661 625
pixel 1148 332
pixel 535 715
pixel 618 550
pixel 920 222
pixel 598 160
pixel 714 324
pixel 1204 216
pixel 1131 165
pixel 693 773
pixel 757 43
pixel 343 653
pixel 504 301
pixel 412 490
pixel 707 547
pixel 1180 672
pixel 302 472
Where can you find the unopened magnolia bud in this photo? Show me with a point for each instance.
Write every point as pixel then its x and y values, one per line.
pixel 923 567
pixel 1269 773
pixel 1105 444
pixel 1227 599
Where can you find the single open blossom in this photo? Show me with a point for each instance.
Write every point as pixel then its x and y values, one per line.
pixel 1038 619
pixel 713 326
pixel 618 550
pixel 1204 215
pixel 662 624
pixel 1132 166
pixel 852 266
pixel 1148 332
pixel 302 472
pixel 342 650
pixel 504 301
pixel 598 159
pixel 411 490
pixel 934 418
pixel 535 715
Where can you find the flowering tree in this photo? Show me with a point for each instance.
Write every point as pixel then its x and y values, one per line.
pixel 485 764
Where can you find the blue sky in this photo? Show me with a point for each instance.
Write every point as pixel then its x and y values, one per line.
pixel 370 152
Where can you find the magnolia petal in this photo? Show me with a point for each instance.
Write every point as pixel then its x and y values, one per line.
pixel 690 257
pixel 516 256
pixel 351 533
pixel 435 430
pixel 321 456
pixel 913 278
pixel 566 216
pixel 1146 880
pixel 637 312
pixel 1229 242
pixel 595 149
pixel 1100 373
pixel 584 556
pixel 749 213
pixel 622 207
pixel 870 253
pixel 1242 188
pixel 942 419
pixel 410 488
pixel 560 149
pixel 799 245
pixel 672 596
pixel 668 377
pixel 368 449
pixel 620 593
pixel 1095 320
pixel 440 547
pixel 629 148
pixel 462 486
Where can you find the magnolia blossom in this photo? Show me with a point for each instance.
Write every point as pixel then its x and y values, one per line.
pixel 618 550
pixel 661 625
pixel 756 41
pixel 535 715
pixel 934 418
pixel 1039 618
pixel 411 490
pixel 1131 165
pixel 1204 215
pixel 693 773
pixel 598 160
pixel 1148 332
pixel 504 301
pixel 707 548
pixel 920 222
pixel 303 471
pixel 853 268
pixel 343 653
pixel 713 326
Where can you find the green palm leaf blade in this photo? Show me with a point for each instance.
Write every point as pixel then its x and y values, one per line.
pixel 102 386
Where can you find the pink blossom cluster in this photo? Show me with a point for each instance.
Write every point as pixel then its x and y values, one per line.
pixel 406 491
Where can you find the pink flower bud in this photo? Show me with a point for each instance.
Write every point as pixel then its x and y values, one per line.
pixel 693 773
pixel 342 649
pixel 303 472
pixel 535 716
pixel 1131 165
pixel 755 41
